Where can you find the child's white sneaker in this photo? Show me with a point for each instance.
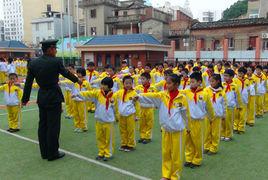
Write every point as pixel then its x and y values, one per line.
pixel 222 138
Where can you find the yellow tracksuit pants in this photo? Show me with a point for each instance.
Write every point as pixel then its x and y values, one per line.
pixel 259 105
pixel 80 114
pixel 265 106
pixel 14 117
pixel 240 118
pixel 213 131
pixel 251 110
pixel 227 124
pixel 69 104
pixel 105 138
pixel 173 144
pixel 2 77
pixel 127 130
pixel 90 106
pixel 195 142
pixel 146 123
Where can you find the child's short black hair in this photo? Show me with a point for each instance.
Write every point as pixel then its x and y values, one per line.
pixel 259 67
pixel 252 68
pixel 92 64
pixel 108 82
pixel 71 65
pixel 175 78
pixel 191 63
pixel 81 71
pixel 230 72
pixel 127 77
pixel 160 64
pixel 186 70
pixel 242 70
pixel 12 74
pixel 110 67
pixel 197 76
pixel 149 65
pixel 196 69
pixel 146 75
pixel 168 72
pixel 124 62
pixel 211 66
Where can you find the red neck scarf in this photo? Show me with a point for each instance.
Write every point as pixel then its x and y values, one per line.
pixel 172 96
pixel 108 97
pixel 90 74
pixel 165 86
pixel 243 83
pixel 228 86
pixel 113 77
pixel 185 82
pixel 146 87
pixel 125 93
pixel 80 85
pixel 195 91
pixel 209 73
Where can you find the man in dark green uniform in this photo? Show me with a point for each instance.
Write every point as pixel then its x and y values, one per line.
pixel 45 70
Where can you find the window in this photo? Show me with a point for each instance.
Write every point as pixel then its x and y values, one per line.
pixel 99 60
pixel 93 31
pixel 116 13
pixel 49 7
pixel 37 40
pixel 125 13
pixel 231 42
pixel 93 13
pixel 37 27
pixel 108 59
pixel 49 26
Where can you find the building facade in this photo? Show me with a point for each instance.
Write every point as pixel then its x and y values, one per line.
pixel 257 9
pixel 2 31
pixel 18 15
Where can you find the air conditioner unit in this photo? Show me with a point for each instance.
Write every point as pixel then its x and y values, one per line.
pixel 264 36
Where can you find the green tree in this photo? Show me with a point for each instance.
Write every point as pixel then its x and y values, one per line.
pixel 237 9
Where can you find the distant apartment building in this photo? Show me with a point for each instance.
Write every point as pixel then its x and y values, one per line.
pixel 257 9
pixel 2 31
pixel 18 15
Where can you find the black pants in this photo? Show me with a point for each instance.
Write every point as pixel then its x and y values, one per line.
pixel 49 130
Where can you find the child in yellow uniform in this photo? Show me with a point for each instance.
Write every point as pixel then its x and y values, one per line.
pixel 207 74
pixel 200 106
pixel 217 96
pixel 3 71
pixel 127 111
pixel 252 97
pixel 159 75
pixel 68 96
pixel 105 117
pixel 241 112
pixel 146 111
pixel 233 98
pixel 185 80
pixel 12 97
pixel 79 103
pixel 261 90
pixel 173 118
pixel 265 73
pixel 162 85
pixel 139 70
pixel 90 77
pixel 148 69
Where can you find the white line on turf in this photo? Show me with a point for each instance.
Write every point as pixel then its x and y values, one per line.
pixel 121 171
pixel 26 110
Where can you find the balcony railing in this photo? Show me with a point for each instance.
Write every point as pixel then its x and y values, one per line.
pixel 96 2
pixel 125 19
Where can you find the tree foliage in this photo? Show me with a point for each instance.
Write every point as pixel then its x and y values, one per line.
pixel 237 9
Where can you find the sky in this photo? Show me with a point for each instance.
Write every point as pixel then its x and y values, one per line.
pixel 197 6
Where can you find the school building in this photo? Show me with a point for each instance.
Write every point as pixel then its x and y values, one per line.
pixel 111 50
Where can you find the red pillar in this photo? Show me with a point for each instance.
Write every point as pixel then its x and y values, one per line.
pixel 198 48
pixel 113 59
pixel 258 49
pixel 225 48
pixel 82 59
pixel 171 52
pixel 103 57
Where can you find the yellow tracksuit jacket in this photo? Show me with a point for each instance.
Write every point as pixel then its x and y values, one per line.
pixel 12 97
pixel 79 103
pixel 159 76
pixel 260 91
pixel 241 112
pixel 200 106
pixel 185 83
pixel 127 111
pixel 146 114
pixel 105 117
pixel 173 118
pixel 233 97
pixel 160 86
pixel 251 100
pixel 265 107
pixel 213 130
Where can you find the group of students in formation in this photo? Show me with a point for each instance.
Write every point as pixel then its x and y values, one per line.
pixel 199 104
pixel 10 65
